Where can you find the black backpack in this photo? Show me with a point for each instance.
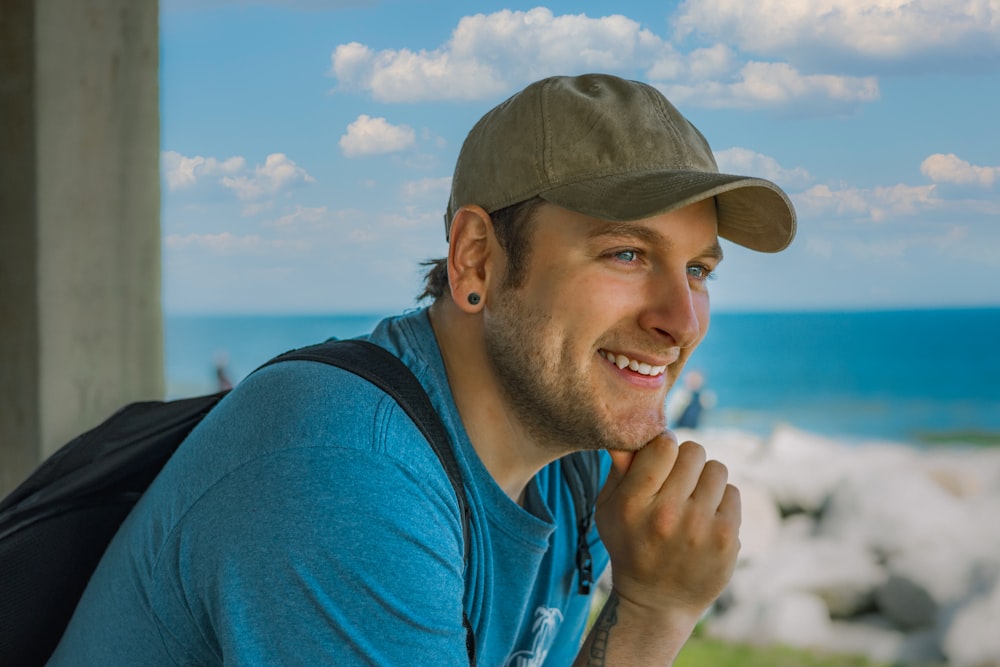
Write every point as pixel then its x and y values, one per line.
pixel 55 526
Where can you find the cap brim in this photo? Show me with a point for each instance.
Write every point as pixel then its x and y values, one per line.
pixel 753 212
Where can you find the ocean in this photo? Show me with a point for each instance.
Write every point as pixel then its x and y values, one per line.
pixel 915 376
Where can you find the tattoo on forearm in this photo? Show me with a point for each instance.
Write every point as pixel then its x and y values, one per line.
pixel 607 620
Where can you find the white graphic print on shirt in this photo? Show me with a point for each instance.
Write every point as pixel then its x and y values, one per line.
pixel 546 624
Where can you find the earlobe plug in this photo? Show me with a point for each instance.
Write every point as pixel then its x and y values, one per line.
pixel 474 298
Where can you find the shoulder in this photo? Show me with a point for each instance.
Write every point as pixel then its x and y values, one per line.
pixel 303 453
pixel 308 403
pixel 298 426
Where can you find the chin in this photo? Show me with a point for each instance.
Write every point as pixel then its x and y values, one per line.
pixel 633 441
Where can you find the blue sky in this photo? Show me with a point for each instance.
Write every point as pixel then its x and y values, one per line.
pixel 307 146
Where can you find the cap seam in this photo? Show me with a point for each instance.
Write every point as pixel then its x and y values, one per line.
pixel 663 117
pixel 543 111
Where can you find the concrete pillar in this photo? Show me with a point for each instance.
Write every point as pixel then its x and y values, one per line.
pixel 81 329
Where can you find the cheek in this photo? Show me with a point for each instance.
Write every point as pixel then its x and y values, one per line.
pixel 704 315
pixel 602 294
pixel 570 299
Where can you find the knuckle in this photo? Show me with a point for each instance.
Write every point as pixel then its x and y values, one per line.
pixel 666 520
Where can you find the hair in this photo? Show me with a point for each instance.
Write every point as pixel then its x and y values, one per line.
pixel 512 226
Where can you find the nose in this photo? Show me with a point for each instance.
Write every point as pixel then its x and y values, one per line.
pixel 675 310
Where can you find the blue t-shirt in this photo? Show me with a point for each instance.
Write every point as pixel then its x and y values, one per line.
pixel 306 521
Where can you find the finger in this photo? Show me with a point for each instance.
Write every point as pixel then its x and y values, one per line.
pixel 620 464
pixel 731 507
pixel 683 478
pixel 711 486
pixel 728 519
pixel 650 466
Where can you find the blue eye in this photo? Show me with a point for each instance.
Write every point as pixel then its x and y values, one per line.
pixel 626 255
pixel 699 272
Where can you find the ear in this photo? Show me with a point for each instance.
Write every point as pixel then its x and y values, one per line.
pixel 470 256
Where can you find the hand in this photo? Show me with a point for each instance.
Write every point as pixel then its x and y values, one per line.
pixel 670 522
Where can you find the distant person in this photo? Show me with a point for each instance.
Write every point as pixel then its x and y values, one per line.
pixel 222 379
pixel 306 521
pixel 689 403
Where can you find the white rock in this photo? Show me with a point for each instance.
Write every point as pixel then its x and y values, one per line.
pixel 971 639
pixel 925 534
pixel 916 530
pixel 792 619
pixel 841 573
pixel 894 511
pixel 945 572
pixel 965 471
pixel 984 548
pixel 737 449
pixel 797 528
pixel 761 521
pixel 800 469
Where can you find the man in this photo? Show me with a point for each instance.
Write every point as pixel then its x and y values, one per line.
pixel 306 521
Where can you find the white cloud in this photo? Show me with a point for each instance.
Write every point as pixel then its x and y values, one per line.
pixel 227 243
pixel 302 214
pixel 492 54
pixel 864 30
pixel 489 54
pixel 413 218
pixel 900 200
pixel 277 173
pixel 776 85
pixel 257 207
pixel 427 187
pixel 745 161
pixel 374 136
pixel 952 169
pixel 710 62
pixel 899 245
pixel 181 171
pixel 323 227
pixel 877 204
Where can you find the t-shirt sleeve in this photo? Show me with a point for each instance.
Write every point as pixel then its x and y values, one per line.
pixel 332 548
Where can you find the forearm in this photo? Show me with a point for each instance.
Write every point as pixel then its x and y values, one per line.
pixel 628 634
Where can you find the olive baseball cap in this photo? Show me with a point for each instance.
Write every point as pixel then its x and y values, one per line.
pixel 611 149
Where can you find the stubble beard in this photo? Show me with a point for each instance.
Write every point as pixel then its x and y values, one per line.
pixel 551 397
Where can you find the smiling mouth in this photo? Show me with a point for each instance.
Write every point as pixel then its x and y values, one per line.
pixel 640 367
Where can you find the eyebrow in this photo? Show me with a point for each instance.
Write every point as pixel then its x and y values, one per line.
pixel 714 251
pixel 646 235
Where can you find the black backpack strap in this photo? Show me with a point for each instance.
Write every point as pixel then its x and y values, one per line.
pixel 583 475
pixel 384 370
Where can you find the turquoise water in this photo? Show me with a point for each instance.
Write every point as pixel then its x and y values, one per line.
pixel 900 375
pixel 907 375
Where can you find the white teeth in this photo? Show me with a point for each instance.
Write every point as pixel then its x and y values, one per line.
pixel 641 367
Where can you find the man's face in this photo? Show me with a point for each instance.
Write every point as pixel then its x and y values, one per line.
pixel 594 291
